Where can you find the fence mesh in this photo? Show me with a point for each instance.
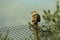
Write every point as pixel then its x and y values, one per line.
pixel 21 32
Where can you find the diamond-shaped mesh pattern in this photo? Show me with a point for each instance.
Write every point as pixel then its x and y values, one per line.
pixel 21 32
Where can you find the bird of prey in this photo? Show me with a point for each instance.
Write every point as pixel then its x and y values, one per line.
pixel 35 17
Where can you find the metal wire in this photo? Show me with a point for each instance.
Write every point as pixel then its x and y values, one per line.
pixel 21 32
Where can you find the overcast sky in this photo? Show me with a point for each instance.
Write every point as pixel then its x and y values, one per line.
pixel 15 12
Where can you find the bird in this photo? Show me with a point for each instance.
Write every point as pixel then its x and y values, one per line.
pixel 35 17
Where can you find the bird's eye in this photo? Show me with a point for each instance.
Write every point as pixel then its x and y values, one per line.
pixel 34 17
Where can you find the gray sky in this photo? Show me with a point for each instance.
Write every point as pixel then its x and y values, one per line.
pixel 15 12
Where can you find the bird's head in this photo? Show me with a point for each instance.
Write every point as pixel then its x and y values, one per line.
pixel 34 12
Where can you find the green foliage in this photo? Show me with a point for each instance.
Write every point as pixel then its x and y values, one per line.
pixel 53 22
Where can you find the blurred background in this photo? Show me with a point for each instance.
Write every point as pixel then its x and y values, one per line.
pixel 16 12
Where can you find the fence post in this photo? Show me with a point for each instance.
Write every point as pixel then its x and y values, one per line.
pixel 36 30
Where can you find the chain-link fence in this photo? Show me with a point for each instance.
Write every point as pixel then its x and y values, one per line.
pixel 21 32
